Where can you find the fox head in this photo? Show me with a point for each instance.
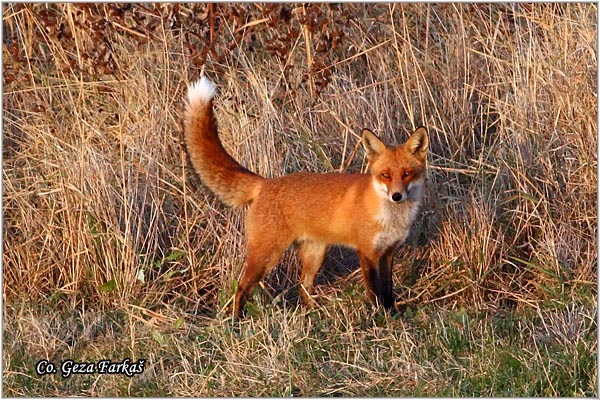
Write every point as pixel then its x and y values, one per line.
pixel 398 172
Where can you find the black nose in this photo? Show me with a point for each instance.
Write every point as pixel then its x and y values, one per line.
pixel 397 197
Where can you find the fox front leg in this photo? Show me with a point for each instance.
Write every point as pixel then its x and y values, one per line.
pixel 377 275
pixel 386 284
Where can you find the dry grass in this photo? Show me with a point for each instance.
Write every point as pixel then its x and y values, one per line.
pixel 113 249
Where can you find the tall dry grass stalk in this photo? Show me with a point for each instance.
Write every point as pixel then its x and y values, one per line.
pixel 97 189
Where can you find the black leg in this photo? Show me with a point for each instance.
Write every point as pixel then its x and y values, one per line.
pixel 386 285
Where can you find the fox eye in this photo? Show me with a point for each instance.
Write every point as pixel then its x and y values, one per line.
pixel 407 173
pixel 385 175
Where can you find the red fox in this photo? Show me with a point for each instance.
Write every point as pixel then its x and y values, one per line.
pixel 368 212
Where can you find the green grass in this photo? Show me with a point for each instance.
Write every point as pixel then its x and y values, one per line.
pixel 283 352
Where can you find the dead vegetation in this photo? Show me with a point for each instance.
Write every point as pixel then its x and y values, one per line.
pixel 102 212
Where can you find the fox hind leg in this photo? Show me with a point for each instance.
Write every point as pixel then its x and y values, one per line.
pixel 311 255
pixel 262 257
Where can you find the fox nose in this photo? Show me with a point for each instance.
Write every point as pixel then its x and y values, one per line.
pixel 397 197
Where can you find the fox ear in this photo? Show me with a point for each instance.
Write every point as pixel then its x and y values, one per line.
pixel 372 144
pixel 418 142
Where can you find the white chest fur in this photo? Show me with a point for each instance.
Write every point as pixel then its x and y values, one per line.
pixel 396 220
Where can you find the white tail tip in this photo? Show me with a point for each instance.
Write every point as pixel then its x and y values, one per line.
pixel 202 90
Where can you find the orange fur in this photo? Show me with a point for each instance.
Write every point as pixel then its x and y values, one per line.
pixel 234 184
pixel 368 212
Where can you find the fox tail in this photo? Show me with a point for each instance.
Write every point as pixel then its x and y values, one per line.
pixel 224 176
